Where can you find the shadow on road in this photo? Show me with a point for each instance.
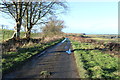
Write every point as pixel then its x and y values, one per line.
pixel 63 51
pixel 103 49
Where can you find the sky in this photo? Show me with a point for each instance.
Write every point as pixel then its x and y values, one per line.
pixel 86 17
pixel 92 18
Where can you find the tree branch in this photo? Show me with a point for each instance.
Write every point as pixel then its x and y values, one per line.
pixel 50 6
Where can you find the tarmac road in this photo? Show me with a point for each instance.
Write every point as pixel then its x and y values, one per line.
pixel 54 60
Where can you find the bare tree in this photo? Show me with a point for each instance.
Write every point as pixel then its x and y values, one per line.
pixel 31 13
pixel 17 11
pixel 36 12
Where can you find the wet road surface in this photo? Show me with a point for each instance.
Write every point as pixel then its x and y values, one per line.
pixel 54 60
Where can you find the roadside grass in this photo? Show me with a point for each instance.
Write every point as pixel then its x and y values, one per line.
pixel 95 63
pixel 13 60
pixel 82 72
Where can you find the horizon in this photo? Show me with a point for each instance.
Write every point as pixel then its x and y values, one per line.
pixel 92 18
pixel 67 33
pixel 85 17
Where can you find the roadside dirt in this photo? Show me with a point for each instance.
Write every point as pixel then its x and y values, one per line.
pixel 54 60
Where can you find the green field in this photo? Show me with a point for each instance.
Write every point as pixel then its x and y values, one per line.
pixel 94 63
pixel 105 37
pixel 7 34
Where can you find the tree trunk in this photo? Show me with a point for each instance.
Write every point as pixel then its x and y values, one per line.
pixel 14 35
pixel 19 19
pixel 18 30
pixel 28 32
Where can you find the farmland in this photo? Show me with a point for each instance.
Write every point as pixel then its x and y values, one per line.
pixel 105 37
pixel 93 60
pixel 7 34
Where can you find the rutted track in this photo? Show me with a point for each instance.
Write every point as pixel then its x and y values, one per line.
pixel 54 60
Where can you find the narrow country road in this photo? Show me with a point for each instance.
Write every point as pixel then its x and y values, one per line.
pixel 54 60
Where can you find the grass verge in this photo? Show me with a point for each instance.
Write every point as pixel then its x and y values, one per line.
pixel 13 60
pixel 82 72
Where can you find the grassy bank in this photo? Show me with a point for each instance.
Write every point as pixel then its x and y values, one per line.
pixel 12 60
pixel 93 63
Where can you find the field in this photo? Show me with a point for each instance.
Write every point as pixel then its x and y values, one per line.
pixel 94 60
pixel 7 34
pixel 105 38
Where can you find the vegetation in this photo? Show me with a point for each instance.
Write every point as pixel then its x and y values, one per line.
pixel 45 73
pixel 53 27
pixel 12 60
pixel 94 63
pixel 27 14
pixel 30 13
pixel 80 66
pixel 6 34
pixel 106 38
pixel 89 50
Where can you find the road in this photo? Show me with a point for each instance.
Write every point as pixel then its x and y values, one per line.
pixel 54 60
